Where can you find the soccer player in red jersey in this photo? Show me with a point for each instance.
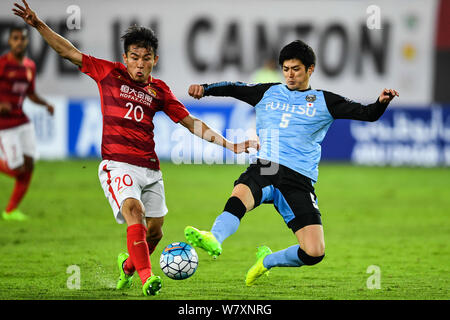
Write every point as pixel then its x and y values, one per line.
pixel 17 139
pixel 130 173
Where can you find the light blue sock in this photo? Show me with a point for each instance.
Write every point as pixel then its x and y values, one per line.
pixel 225 225
pixel 283 258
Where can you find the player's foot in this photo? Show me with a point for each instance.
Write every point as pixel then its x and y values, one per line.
pixel 204 240
pixel 152 286
pixel 15 215
pixel 125 280
pixel 258 269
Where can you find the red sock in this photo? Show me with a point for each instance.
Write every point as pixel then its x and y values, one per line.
pixel 20 188
pixel 138 250
pixel 128 266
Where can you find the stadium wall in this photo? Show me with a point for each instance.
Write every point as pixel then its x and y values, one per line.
pixel 357 56
pixel 361 46
pixel 418 136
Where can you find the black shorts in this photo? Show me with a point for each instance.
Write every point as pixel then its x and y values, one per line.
pixel 291 193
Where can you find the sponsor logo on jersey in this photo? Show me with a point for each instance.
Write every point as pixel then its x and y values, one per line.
pixel 130 93
pixel 308 110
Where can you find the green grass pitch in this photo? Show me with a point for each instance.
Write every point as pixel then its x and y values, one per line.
pixel 396 219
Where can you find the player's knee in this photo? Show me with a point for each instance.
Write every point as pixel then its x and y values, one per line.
pixel 316 251
pixel 314 248
pixel 133 211
pixel 236 207
pixel 312 256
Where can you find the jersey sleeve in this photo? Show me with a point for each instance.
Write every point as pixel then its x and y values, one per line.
pixel 96 68
pixel 343 108
pixel 172 106
pixel 249 93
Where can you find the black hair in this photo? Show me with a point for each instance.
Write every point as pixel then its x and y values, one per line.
pixel 140 36
pixel 22 29
pixel 298 50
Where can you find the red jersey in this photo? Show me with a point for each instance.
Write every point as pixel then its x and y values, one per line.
pixel 128 108
pixel 16 82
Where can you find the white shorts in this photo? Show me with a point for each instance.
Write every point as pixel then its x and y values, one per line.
pixel 121 180
pixel 16 142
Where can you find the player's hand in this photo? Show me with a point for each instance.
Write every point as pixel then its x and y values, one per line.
pixel 387 95
pixel 28 15
pixel 5 107
pixel 196 91
pixel 245 146
pixel 50 109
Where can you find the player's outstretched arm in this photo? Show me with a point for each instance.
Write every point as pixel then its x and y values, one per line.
pixel 61 45
pixel 343 108
pixel 249 93
pixel 37 99
pixel 387 95
pixel 202 130
pixel 196 91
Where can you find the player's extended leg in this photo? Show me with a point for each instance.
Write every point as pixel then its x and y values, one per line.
pixel 297 204
pixel 154 232
pixel 309 251
pixel 227 223
pixel 133 212
pixel 22 176
pixel 240 202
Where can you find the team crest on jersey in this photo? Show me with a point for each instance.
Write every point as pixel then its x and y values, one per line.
pixel 151 91
pixel 311 97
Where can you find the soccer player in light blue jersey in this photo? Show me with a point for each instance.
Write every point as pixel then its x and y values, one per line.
pixel 292 120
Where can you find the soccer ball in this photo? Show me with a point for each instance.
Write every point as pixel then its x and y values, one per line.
pixel 178 260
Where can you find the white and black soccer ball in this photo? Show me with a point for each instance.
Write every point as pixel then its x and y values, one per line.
pixel 178 260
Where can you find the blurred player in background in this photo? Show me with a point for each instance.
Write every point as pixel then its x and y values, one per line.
pixel 17 138
pixel 291 121
pixel 130 173
pixel 269 72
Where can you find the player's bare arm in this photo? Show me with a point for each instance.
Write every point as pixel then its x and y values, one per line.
pixel 38 100
pixel 61 45
pixel 202 130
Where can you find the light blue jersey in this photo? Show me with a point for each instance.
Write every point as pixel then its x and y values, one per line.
pixel 291 124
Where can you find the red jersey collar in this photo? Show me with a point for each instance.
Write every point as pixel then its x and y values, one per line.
pixel 12 58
